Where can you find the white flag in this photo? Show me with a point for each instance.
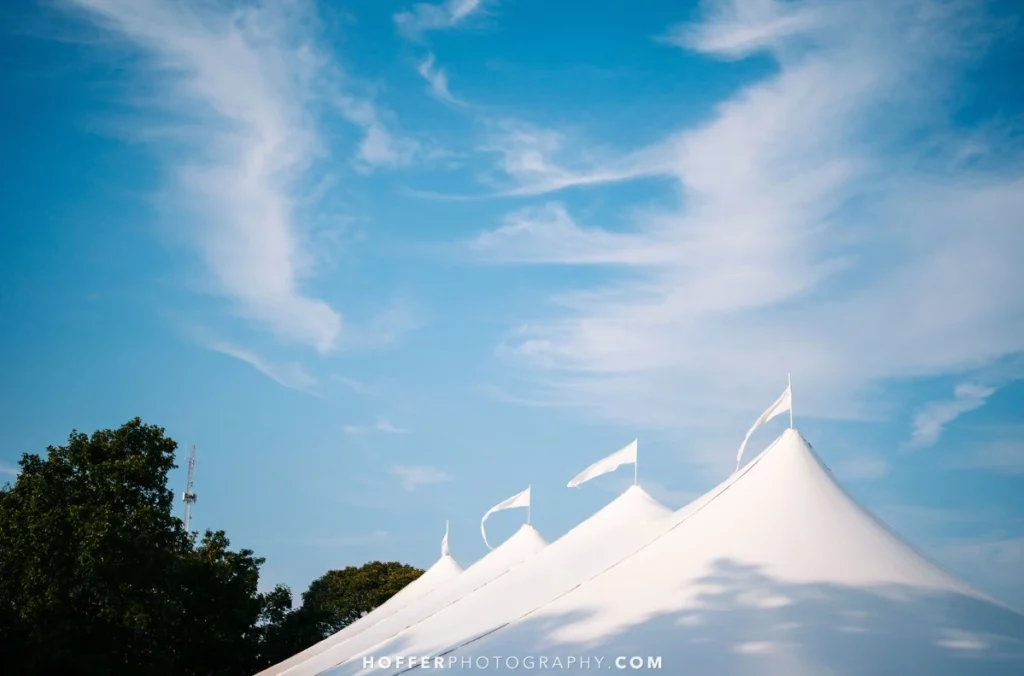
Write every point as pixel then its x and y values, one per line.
pixel 517 500
pixel 444 542
pixel 781 405
pixel 604 465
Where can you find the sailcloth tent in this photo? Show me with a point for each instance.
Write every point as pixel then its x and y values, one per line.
pixel 525 543
pixel 777 572
pixel 614 532
pixel 444 570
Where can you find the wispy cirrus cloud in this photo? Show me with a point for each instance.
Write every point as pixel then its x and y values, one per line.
pixel 243 82
pixel 384 425
pixel 414 476
pixel 535 161
pixel 424 17
pixel 10 470
pixel 816 234
pixel 437 79
pixel 357 386
pixel 933 417
pixel 289 374
pixel 381 424
pixel 740 28
pixel 380 147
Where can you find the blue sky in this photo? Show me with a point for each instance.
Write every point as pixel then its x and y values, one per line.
pixel 388 263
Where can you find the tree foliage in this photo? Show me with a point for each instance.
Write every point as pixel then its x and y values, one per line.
pixel 340 597
pixel 98 577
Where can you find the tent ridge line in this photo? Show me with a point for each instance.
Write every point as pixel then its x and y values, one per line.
pixel 746 469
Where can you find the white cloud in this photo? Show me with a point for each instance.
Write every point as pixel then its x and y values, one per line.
pixel 933 417
pixel 548 234
pixel 813 236
pixel 386 327
pixel 739 28
pixel 535 161
pixel 437 78
pixel 246 81
pixel 290 374
pixel 356 386
pixel 425 17
pixel 414 476
pixel 379 147
pixel 385 425
pixel 10 470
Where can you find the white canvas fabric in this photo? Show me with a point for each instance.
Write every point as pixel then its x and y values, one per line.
pixel 525 543
pixel 607 464
pixel 614 532
pixel 782 404
pixel 518 500
pixel 776 572
pixel 443 571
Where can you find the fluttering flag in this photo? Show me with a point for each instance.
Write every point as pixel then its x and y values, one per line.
pixel 782 404
pixel 611 463
pixel 444 541
pixel 517 500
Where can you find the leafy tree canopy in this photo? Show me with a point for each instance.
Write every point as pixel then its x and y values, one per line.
pixel 98 578
pixel 340 597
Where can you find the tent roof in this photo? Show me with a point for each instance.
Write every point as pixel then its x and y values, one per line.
pixel 776 571
pixel 615 531
pixel 523 544
pixel 444 570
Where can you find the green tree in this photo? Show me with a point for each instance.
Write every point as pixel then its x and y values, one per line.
pixel 98 577
pixel 340 597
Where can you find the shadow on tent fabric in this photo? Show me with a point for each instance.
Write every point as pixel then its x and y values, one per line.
pixel 745 622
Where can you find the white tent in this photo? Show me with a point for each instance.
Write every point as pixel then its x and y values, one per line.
pixel 444 570
pixel 776 572
pixel 525 543
pixel 614 532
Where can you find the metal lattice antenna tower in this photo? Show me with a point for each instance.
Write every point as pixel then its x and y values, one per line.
pixel 189 496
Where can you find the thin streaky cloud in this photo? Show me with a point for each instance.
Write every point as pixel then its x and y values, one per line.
pixel 380 147
pixel 414 476
pixel 763 268
pixel 356 386
pixel 384 425
pixel 437 78
pixel 246 82
pixel 536 161
pixel 931 420
pixel 733 30
pixel 290 374
pixel 10 470
pixel 424 17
